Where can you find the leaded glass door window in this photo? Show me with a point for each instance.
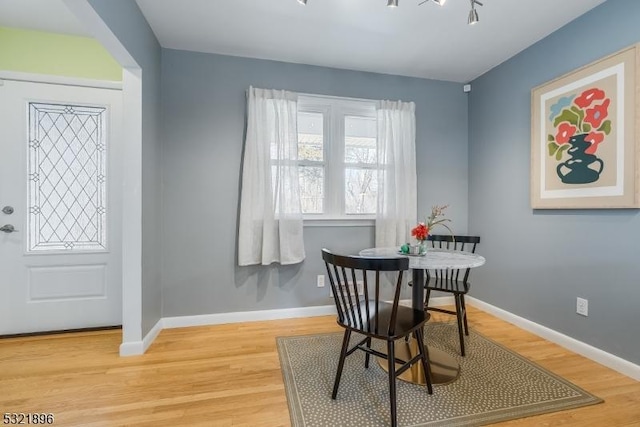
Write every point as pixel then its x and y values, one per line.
pixel 67 172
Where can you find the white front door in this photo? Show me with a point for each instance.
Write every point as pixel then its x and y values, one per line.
pixel 60 189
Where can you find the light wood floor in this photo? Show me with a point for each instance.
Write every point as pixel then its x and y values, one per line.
pixel 229 375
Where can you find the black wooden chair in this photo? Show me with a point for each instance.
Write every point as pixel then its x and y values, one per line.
pixel 455 282
pixel 366 313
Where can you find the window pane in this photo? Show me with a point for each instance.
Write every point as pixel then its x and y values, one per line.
pixel 360 140
pixel 67 178
pixel 311 189
pixel 282 180
pixel 361 191
pixel 310 136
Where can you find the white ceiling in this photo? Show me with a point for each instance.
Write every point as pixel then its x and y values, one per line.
pixel 44 15
pixel 421 41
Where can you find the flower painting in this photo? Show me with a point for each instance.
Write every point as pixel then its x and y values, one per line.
pixel 584 143
pixel 580 124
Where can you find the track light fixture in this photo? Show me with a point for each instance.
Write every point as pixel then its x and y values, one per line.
pixel 438 2
pixel 473 13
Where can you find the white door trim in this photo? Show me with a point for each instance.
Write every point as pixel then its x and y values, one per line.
pixel 132 192
pixel 58 80
pixel 132 210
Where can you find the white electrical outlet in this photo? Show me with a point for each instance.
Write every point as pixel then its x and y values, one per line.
pixel 582 306
pixel 320 280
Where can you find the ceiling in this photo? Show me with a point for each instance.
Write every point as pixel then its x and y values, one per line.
pixel 427 41
pixel 44 15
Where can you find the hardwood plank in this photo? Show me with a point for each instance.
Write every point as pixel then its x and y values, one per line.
pixel 229 375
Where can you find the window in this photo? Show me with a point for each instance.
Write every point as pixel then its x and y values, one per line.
pixel 67 178
pixel 337 157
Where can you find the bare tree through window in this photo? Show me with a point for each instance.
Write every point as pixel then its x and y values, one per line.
pixel 337 157
pixel 311 162
pixel 361 179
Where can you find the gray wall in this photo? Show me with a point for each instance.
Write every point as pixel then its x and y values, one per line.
pixel 129 25
pixel 538 262
pixel 203 122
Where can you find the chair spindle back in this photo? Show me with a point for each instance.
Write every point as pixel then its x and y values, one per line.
pixel 358 300
pixel 455 243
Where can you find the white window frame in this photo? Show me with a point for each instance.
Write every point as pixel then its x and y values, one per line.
pixel 334 111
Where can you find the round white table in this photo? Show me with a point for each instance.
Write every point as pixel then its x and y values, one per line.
pixel 444 368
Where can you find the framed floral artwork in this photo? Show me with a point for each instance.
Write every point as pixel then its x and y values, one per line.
pixel 584 136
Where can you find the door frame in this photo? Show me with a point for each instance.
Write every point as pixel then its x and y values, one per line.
pixel 133 342
pixel 131 88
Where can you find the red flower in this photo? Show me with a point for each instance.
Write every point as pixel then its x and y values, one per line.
pixel 565 132
pixel 420 231
pixel 588 96
pixel 597 114
pixel 594 138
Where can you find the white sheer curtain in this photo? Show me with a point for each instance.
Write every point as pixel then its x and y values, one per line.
pixel 270 212
pixel 397 177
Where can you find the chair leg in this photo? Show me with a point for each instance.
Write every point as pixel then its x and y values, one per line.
pixel 427 294
pixel 366 358
pixel 343 355
pixel 391 360
pixel 424 351
pixel 460 326
pixel 464 315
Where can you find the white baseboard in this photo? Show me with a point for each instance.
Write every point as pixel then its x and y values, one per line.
pixel 247 316
pixel 440 301
pixel 433 302
pixel 136 348
pixel 131 348
pixel 139 347
pixel 600 356
pixel 609 360
pixel 254 316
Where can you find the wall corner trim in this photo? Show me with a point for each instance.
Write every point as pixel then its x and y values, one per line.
pixel 136 348
pixel 597 355
pixel 131 348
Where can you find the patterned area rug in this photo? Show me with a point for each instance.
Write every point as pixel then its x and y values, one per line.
pixel 495 384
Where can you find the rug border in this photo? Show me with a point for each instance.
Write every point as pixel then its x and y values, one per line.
pixel 501 415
